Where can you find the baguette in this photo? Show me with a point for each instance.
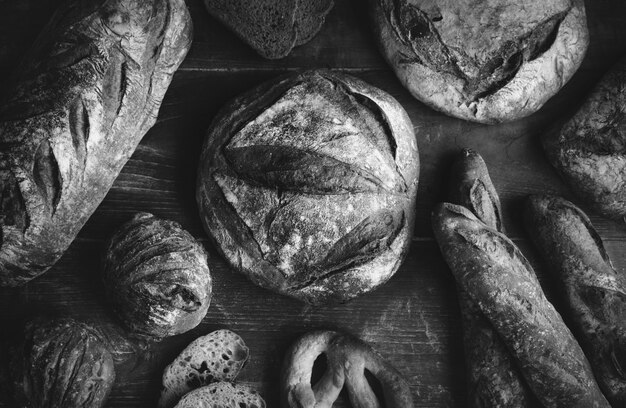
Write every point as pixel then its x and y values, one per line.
pixel 86 94
pixel 493 378
pixel 501 282
pixel 595 293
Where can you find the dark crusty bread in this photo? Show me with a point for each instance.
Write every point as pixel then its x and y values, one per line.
pixel 493 378
pixel 485 61
pixel 595 293
pixel 268 26
pixel 222 394
pixel 501 282
pixel 272 27
pixel 218 356
pixel 589 150
pixel 82 100
pixel 61 363
pixel 156 277
pixel 348 359
pixel 310 16
pixel 307 185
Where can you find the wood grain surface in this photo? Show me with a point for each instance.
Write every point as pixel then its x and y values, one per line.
pixel 413 320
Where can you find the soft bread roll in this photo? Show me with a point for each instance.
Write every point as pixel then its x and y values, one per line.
pixel 307 185
pixel 484 61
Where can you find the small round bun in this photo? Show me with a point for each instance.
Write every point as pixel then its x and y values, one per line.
pixel 484 61
pixel 348 358
pixel 307 185
pixel 156 277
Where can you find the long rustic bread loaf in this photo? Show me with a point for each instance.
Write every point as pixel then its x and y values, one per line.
pixel 84 97
pixel 307 185
pixel 595 293
pixel 501 282
pixel 589 150
pixel 493 378
pixel 485 61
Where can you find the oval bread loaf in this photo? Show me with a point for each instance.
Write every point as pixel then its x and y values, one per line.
pixel 307 185
pixel 595 293
pixel 482 60
pixel 218 356
pixel 86 94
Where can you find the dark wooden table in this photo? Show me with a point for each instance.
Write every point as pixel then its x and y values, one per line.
pixel 413 320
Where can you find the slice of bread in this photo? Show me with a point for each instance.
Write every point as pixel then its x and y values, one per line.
pixel 310 17
pixel 222 395
pixel 218 356
pixel 268 26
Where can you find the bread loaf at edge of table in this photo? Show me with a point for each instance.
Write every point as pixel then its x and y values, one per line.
pixel 87 92
pixel 594 292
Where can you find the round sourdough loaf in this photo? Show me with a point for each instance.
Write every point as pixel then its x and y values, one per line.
pixel 487 60
pixel 307 185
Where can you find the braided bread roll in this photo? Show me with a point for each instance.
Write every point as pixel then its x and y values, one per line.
pixel 595 292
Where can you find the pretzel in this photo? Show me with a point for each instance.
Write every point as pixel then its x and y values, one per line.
pixel 348 358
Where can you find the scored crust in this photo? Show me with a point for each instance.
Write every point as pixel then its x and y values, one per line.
pixel 348 359
pixel 88 91
pixel 471 46
pixel 384 195
pixel 588 149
